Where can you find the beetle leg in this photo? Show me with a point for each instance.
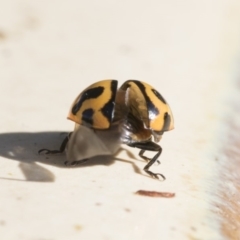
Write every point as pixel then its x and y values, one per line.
pixel 150 146
pixel 61 149
pixel 146 158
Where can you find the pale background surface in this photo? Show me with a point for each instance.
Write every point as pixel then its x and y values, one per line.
pixel 51 50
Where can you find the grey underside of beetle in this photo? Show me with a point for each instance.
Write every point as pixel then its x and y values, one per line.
pixel 86 143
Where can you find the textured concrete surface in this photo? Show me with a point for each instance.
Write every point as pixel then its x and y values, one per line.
pixel 51 50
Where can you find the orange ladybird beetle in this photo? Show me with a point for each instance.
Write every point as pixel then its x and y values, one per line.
pixel 105 117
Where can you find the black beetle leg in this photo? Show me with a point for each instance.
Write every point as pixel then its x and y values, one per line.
pixel 146 158
pixel 150 146
pixel 61 149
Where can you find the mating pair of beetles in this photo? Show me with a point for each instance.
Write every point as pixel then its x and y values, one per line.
pixel 105 117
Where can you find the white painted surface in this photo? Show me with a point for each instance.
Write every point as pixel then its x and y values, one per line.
pixel 49 52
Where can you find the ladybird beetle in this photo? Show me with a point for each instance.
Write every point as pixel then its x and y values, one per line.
pixel 106 117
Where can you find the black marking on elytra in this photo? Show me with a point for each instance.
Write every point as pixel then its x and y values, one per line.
pixel 87 116
pixel 88 94
pixel 159 96
pixel 108 108
pixel 167 121
pixel 153 111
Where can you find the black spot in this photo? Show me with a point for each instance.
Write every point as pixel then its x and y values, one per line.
pixel 153 111
pixel 159 96
pixel 165 115
pixel 167 121
pixel 108 108
pixel 88 94
pixel 87 116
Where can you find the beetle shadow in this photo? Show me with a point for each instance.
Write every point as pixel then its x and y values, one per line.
pixel 24 146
